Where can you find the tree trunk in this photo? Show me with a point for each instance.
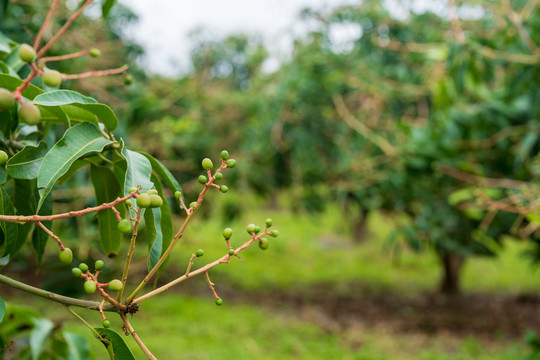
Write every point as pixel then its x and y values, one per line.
pixel 452 264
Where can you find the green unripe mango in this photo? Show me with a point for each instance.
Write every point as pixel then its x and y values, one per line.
pixel 231 252
pixel 231 163
pixel 274 233
pixel 227 233
pixel 52 78
pixel 219 302
pixel 219 176
pixel 224 154
pixel 115 285
pixel 106 324
pixel 90 286
pixel 124 226
pixel 207 164
pixel 202 179
pixel 144 200
pixel 263 243
pixel 83 267
pixel 268 222
pixel 27 53
pixel 152 192
pixel 7 101
pixel 199 253
pixel 3 157
pixel 99 264
pixel 132 190
pixel 193 204
pixel 95 52
pixel 66 255
pixel 76 272
pixel 155 201
pixel 224 188
pixel 251 228
pixel 128 79
pixel 177 194
pixel 29 114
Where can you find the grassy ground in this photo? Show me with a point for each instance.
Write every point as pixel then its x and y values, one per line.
pixel 310 251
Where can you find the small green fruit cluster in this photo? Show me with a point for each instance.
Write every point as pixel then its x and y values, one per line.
pixel 29 114
pixel 128 79
pixel 52 78
pixel 115 285
pixel 7 101
pixel 27 53
pixel 252 228
pixel 199 253
pixel 150 199
pixel 66 256
pixel 124 226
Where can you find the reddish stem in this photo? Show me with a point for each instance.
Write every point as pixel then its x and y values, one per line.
pixel 64 57
pixel 42 28
pixel 95 73
pixel 51 234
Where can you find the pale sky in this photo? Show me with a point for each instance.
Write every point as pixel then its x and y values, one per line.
pixel 164 25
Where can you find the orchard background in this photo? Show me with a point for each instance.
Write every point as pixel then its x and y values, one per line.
pixel 401 171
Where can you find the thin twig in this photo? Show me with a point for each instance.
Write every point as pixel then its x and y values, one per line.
pixel 51 234
pixel 44 24
pixel 95 73
pixel 63 29
pixel 139 342
pixel 130 252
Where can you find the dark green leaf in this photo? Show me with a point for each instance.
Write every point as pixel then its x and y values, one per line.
pixel 106 7
pixel 3 175
pixel 68 97
pixel 2 309
pixel 25 201
pixel 107 189
pixel 120 349
pixel 39 236
pixel 77 141
pixel 78 346
pixel 25 164
pixel 38 337
pixel 54 114
pixel 9 229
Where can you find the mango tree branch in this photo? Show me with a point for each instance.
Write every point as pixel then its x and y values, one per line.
pixel 139 342
pixel 64 57
pixel 38 218
pixel 66 300
pixel 44 24
pixel 95 73
pixel 63 29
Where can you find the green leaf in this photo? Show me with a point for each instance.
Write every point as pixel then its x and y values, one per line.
pixel 25 201
pixel 25 164
pixel 11 83
pixel 9 229
pixel 159 228
pixel 39 236
pixel 68 97
pixel 163 173
pixel 78 346
pixel 2 309
pixel 39 335
pixel 79 140
pixel 3 175
pixel 107 189
pixel 138 171
pixel 54 114
pixel 106 7
pixel 120 349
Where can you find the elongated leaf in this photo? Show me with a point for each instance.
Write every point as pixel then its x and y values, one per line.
pixel 107 189
pixel 39 236
pixel 68 97
pixel 25 201
pixel 159 228
pixel 120 349
pixel 138 170
pixel 77 141
pixel 9 229
pixel 106 7
pixel 78 346
pixel 11 83
pixel 25 164
pixel 54 114
pixel 163 173
pixel 38 337
pixel 3 175
pixel 2 310
pixel 8 122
